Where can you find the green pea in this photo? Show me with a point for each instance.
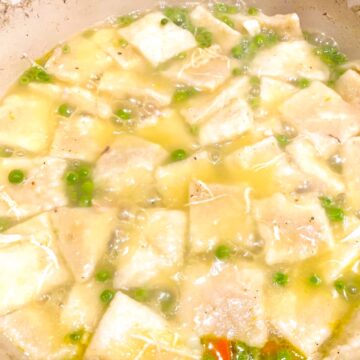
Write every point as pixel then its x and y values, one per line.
pixel 124 114
pixel 303 83
pixel 126 20
pixel 314 280
pixel 180 17
pixel 24 80
pixel 87 187
pixel 340 285
pixel 225 19
pixel 164 21
pixel 76 336
pixel 66 49
pixel 65 110
pixel 225 8
pixel 203 37
pixel 178 155
pixel 123 43
pixel 331 55
pixel 16 176
pixel 237 72
pixel 241 50
pixel 84 171
pixel 103 276
pixel 72 177
pixel 107 296
pixel 6 152
pixel 141 294
pixel 253 11
pixel 284 354
pixel 184 93
pixel 5 223
pixel 85 200
pixel 280 278
pixel 223 252
pixel 282 140
pixel 167 301
pixel 333 211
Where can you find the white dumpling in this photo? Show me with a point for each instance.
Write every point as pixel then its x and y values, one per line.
pixel 348 86
pixel 288 61
pixel 30 263
pixel 218 214
pixel 42 189
pixel 83 234
pixel 128 165
pixel 225 301
pixel 85 62
pixel 27 122
pixel 156 247
pixel 129 328
pixel 80 137
pixel 319 109
pixel 306 320
pixel 204 69
pixel 351 156
pixel 36 330
pixel 292 231
pixel 156 42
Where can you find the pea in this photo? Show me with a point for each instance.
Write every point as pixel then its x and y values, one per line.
pixel 282 140
pixel 65 110
pixel 164 21
pixel 16 176
pixel 203 37
pixel 124 114
pixel 66 49
pixel 72 177
pixel 126 20
pixel 223 252
pixel 314 280
pixel 103 276
pixel 141 294
pixel 5 223
pixel 83 172
pixel 302 83
pixel 167 301
pixel 6 152
pixel 85 201
pixel 87 187
pixel 184 93
pixel 178 155
pixel 280 278
pixel 225 8
pixel 76 336
pixel 107 296
pixel 253 11
pixel 179 17
pixel 284 354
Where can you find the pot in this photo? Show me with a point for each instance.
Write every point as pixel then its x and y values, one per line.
pixel 30 28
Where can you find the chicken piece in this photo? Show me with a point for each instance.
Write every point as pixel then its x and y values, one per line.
pixel 223 34
pixel 82 137
pixel 218 214
pixel 173 179
pixel 204 69
pixel 317 171
pixel 351 156
pixel 347 345
pixel 306 320
pixel 27 122
pixel 348 86
pixel 292 231
pixel 82 308
pixel 128 166
pixel 42 189
pixel 266 155
pixel 83 234
pixel 321 110
pixel 287 25
pixel 156 42
pixel 36 330
pixel 204 106
pixel 232 121
pixel 122 84
pixel 30 264
pixel 225 301
pixel 129 328
pixel 85 62
pixel 157 246
pixel 288 61
pixel 123 54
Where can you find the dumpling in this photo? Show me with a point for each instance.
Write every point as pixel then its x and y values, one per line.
pixel 156 42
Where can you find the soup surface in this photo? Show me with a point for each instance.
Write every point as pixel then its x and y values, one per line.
pixel 183 184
